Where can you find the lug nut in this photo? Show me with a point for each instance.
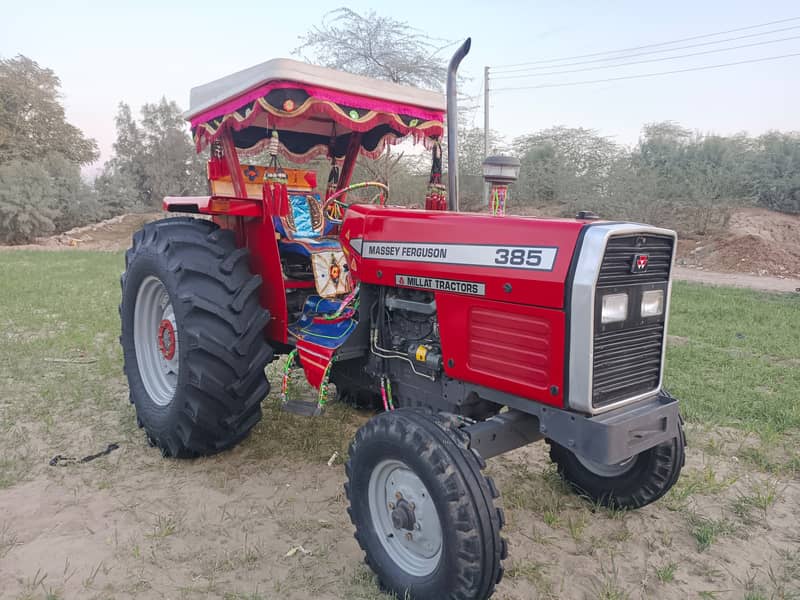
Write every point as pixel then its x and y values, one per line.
pixel 398 495
pixel 412 505
pixel 417 526
pixel 391 505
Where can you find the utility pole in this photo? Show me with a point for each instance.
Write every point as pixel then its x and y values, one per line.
pixel 485 112
pixel 486 186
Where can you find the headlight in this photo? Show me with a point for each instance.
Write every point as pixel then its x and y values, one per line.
pixel 615 308
pixel 652 303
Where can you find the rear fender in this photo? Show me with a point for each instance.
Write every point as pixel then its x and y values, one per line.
pixel 251 221
pixel 214 205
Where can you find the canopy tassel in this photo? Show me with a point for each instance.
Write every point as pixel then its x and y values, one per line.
pixel 276 183
pixel 436 196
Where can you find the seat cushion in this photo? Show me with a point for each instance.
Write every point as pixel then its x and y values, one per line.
pixel 303 218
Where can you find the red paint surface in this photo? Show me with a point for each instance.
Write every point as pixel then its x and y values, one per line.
pixel 315 360
pixel 259 237
pixel 513 348
pixel 214 205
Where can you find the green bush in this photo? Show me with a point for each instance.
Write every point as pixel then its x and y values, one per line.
pixel 26 205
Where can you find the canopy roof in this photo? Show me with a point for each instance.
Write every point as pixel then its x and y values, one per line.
pixel 313 109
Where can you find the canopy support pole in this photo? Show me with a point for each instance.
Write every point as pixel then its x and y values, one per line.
pixel 232 162
pixel 353 146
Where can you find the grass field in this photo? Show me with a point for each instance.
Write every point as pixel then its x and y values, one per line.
pixel 134 525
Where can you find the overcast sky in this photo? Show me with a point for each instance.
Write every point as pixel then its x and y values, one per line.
pixel 107 52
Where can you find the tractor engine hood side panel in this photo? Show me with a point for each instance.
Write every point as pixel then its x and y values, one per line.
pixel 499 285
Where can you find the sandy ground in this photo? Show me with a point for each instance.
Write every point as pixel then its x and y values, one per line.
pixel 133 525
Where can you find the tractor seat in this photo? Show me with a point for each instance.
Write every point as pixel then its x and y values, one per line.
pixel 302 230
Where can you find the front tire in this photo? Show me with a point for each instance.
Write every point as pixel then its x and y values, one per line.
pixel 423 512
pixel 192 337
pixel 633 483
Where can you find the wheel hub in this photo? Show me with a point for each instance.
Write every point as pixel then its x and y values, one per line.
pixel 166 339
pixel 403 515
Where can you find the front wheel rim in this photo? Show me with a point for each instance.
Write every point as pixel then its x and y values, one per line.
pixel 603 470
pixel 155 338
pixel 405 518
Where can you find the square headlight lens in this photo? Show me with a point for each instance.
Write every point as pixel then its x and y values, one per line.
pixel 615 308
pixel 652 303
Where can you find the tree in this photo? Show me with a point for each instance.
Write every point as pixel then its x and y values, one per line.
pixel 563 165
pixel 776 171
pixel 74 202
pixel 172 166
pixel 152 159
pixel 126 169
pixel 698 177
pixel 382 48
pixel 32 119
pixel 41 189
pixel 375 46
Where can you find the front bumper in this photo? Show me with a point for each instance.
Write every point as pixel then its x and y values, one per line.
pixel 614 436
pixel 608 438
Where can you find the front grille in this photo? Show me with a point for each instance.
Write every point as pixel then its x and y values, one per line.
pixel 627 358
pixel 618 259
pixel 626 362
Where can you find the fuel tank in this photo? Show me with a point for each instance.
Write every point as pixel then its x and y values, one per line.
pixel 499 285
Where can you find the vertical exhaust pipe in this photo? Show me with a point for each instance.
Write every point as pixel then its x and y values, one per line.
pixel 452 125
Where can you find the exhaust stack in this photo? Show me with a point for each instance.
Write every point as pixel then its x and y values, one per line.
pixel 452 125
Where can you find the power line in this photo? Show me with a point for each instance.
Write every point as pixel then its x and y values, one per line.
pixel 649 60
pixel 612 58
pixel 643 75
pixel 686 39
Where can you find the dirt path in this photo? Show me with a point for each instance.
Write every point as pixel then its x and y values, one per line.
pixel 755 282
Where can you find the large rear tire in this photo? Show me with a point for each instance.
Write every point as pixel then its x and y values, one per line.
pixel 423 512
pixel 193 337
pixel 632 483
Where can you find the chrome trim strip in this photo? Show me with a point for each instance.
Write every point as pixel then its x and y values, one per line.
pixel 581 336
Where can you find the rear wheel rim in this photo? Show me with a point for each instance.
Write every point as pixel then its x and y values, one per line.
pixel 603 470
pixel 416 546
pixel 155 339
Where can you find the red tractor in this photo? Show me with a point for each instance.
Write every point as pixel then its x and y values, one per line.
pixel 471 334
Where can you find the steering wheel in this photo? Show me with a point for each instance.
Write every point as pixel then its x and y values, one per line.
pixel 334 208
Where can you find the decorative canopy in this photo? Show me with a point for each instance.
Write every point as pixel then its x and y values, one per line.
pixel 314 109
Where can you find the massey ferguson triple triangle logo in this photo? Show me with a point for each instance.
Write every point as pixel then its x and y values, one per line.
pixel 639 263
